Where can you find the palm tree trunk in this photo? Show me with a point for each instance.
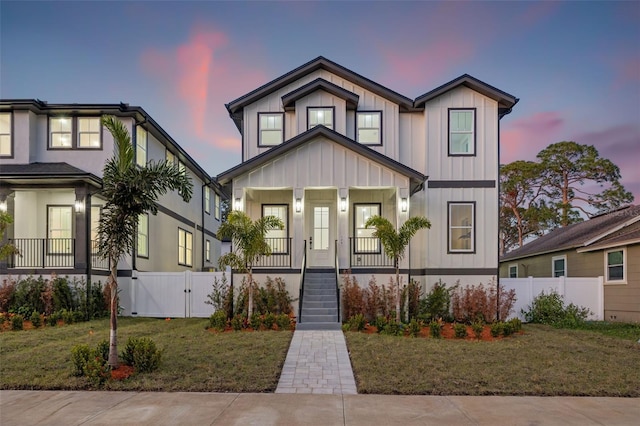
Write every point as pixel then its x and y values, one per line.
pixel 113 331
pixel 398 295
pixel 250 303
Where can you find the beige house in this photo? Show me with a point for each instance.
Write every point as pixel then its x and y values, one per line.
pixel 607 245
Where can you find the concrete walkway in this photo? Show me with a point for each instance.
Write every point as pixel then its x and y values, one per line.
pixel 25 408
pixel 317 363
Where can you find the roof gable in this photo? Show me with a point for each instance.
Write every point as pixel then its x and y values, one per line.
pixel 289 100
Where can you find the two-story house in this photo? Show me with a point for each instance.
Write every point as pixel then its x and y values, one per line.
pixel 325 148
pixel 51 162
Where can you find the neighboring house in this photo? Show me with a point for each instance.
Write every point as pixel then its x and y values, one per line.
pixel 51 162
pixel 324 148
pixel 607 245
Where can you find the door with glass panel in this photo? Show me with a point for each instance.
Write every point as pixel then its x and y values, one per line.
pixel 321 224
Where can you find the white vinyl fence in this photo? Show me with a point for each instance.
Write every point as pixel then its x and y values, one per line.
pixel 168 294
pixel 586 292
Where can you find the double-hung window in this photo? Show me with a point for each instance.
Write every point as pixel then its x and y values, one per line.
pixel 615 261
pixel 207 251
pixel 207 200
pixel 171 158
pixel 143 235
pixel 185 247
pixel 461 227
pixel 271 128
pixel 320 116
pixel 6 145
pixel 60 229
pixel 277 238
pixel 369 127
pixel 89 132
pixel 462 124
pixel 216 206
pixel 513 271
pixel 559 266
pixel 141 146
pixel 60 132
pixel 365 242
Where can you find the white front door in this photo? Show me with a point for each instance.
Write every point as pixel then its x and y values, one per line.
pixel 321 223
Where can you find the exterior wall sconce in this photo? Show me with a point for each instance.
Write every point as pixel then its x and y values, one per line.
pixel 79 205
pixel 343 204
pixel 403 204
pixel 298 205
pixel 237 205
pixel 3 205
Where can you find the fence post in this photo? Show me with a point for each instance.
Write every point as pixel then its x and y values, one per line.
pixel 600 313
pixel 188 277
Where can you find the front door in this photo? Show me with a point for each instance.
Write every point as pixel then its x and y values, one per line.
pixel 321 223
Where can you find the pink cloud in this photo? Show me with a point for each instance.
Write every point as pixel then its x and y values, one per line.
pixel 202 74
pixel 536 12
pixel 523 138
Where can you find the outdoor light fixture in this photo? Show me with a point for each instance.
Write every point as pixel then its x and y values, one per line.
pixel 298 205
pixel 343 204
pixel 237 205
pixel 3 205
pixel 79 206
pixel 403 204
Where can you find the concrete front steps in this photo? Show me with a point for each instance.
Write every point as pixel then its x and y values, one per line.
pixel 319 301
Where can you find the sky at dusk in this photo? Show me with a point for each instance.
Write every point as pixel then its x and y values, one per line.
pixel 574 65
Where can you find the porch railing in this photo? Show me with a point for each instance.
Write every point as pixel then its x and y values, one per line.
pixel 98 262
pixel 367 252
pixel 280 256
pixel 43 253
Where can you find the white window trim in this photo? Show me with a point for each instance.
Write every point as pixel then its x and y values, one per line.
pixel 472 148
pixel 9 133
pixel 139 146
pixel 260 129
pixel 471 250
pixel 145 253
pixel 553 265
pixel 509 271
pixel 207 251
pixel 316 108
pixel 207 200
pixel 624 266
pixel 216 206
pixel 379 128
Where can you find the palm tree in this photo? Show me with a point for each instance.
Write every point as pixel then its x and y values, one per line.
pixel 130 191
pixel 248 243
pixel 395 243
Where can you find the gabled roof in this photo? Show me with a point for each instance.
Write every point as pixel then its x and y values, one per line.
pixel 504 99
pixel 318 63
pixel 417 179
pixel 289 100
pixel 600 230
pixel 44 173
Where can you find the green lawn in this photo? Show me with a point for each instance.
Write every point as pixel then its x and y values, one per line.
pixel 543 361
pixel 194 358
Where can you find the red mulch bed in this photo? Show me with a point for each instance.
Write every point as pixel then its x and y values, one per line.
pixel 122 372
pixel 448 332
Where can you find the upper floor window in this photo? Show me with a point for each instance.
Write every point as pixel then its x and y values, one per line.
pixel 216 207
pixel 559 266
pixel 185 247
pixel 6 146
pixel 462 131
pixel 615 266
pixel 365 242
pixel 60 132
pixel 461 227
pixel 277 238
pixel 207 251
pixel 141 146
pixel 271 128
pixel 89 132
pixel 171 158
pixel 369 127
pixel 207 200
pixel 143 235
pixel 318 116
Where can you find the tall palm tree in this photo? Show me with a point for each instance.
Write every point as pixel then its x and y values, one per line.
pixel 248 243
pixel 130 191
pixel 395 243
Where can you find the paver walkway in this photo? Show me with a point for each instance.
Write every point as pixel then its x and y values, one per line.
pixel 318 363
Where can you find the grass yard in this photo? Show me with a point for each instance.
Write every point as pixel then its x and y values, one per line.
pixel 543 361
pixel 194 359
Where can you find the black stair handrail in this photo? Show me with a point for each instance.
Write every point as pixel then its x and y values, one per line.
pixel 337 266
pixel 302 275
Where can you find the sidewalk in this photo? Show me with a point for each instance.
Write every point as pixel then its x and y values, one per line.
pixel 182 408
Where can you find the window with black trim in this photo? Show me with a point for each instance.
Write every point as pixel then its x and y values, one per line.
pixel 60 132
pixel 278 239
pixel 365 242
pixel 462 131
pixel 185 247
pixel 461 219
pixel 320 116
pixel 143 235
pixel 89 129
pixel 60 229
pixel 141 146
pixel 216 207
pixel 615 266
pixel 207 200
pixel 207 251
pixel 270 128
pixel 6 141
pixel 171 158
pixel 559 266
pixel 369 127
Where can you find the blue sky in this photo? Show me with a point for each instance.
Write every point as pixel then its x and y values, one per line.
pixel 574 65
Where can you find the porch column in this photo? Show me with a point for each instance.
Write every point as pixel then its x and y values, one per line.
pixel 297 230
pixel 343 227
pixel 82 233
pixel 7 204
pixel 402 212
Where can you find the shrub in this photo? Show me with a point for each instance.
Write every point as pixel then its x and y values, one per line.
pixel 269 320
pixel 283 322
pixel 550 309
pixel 460 330
pixel 496 329
pixel 91 363
pixel 411 294
pixel 62 295
pixel 237 322
pixel 97 370
pixel 437 302
pixel 79 358
pixel 380 322
pixel 393 329
pixel 357 322
pixel 345 327
pixel 414 327
pixel 274 298
pixel 142 354
pixel 435 327
pixel 507 329
pixel 218 320
pixel 218 298
pixel 52 320
pixel 352 297
pixel 255 321
pixel 7 294
pixel 35 319
pixel 477 327
pixel 474 303
pixel 516 324
pixel 17 322
pixel 27 295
